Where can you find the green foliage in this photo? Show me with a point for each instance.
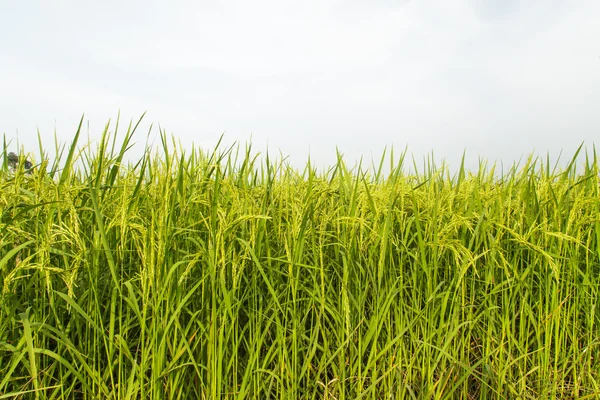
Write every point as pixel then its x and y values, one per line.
pixel 221 275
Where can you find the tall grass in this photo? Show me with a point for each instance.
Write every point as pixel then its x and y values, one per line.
pixel 221 275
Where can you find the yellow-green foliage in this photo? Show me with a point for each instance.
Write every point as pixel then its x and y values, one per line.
pixel 213 275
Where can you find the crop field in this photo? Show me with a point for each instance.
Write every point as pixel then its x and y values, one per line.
pixel 221 274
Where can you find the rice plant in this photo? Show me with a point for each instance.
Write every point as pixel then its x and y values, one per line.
pixel 222 274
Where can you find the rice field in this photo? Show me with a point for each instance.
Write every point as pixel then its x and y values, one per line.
pixel 222 274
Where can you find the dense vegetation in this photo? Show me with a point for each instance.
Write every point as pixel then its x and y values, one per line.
pixel 222 275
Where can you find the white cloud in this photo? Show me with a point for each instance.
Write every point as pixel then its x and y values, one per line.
pixel 497 77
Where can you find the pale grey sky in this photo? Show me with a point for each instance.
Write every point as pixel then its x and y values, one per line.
pixel 501 78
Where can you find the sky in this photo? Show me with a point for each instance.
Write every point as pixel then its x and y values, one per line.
pixel 499 79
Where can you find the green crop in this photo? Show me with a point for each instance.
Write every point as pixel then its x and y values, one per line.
pixel 223 274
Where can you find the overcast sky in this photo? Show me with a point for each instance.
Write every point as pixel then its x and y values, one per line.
pixel 499 78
